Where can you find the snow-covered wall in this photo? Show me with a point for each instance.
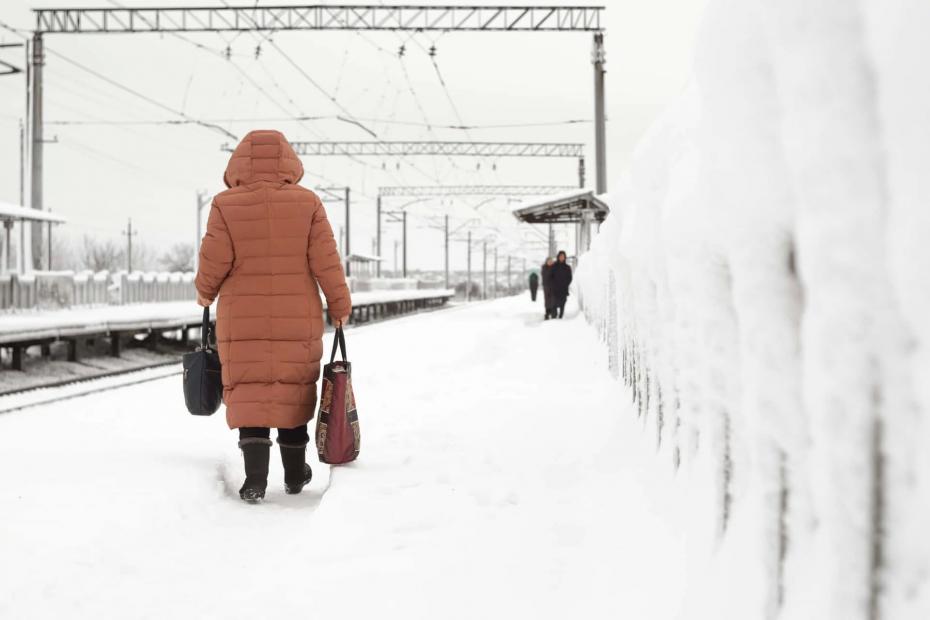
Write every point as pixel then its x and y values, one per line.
pixel 763 287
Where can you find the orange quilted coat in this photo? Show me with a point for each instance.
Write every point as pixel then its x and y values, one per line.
pixel 268 244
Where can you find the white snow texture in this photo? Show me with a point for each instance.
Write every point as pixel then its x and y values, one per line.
pixel 762 284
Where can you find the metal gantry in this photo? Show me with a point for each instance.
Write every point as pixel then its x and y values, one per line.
pixel 403 148
pixel 455 148
pixel 473 190
pixel 320 17
pixel 412 18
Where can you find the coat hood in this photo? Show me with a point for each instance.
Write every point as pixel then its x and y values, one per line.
pixel 263 155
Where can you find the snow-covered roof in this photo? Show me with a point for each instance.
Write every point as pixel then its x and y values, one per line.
pixel 365 258
pixel 564 208
pixel 10 211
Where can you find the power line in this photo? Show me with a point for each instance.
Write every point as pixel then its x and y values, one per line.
pixel 347 115
pixel 321 89
pixel 127 89
pixel 146 98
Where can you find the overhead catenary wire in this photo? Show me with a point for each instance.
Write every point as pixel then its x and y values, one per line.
pixel 120 86
pixel 346 115
pixel 431 53
pixel 262 37
pixel 135 93
pixel 299 117
pixel 255 85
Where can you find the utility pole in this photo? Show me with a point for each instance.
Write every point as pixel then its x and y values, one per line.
pixel 378 241
pixel 509 279
pixel 22 163
pixel 446 247
pixel 28 124
pixel 600 122
pixel 38 62
pixel 468 277
pixel 484 267
pixel 8 224
pixel 495 272
pixel 580 185
pixel 23 249
pixel 348 248
pixel 7 251
pixel 396 243
pixel 49 267
pixel 203 199
pixel 130 233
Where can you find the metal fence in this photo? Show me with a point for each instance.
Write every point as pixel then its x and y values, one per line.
pixel 49 290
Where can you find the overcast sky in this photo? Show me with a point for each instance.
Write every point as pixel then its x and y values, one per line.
pixel 99 174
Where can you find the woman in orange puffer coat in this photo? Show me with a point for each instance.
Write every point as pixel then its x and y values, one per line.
pixel 268 245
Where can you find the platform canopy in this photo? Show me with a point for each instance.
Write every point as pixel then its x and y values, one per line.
pixel 364 258
pixel 19 213
pixel 565 208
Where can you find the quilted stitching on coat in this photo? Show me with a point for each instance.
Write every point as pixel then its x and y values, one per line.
pixel 267 252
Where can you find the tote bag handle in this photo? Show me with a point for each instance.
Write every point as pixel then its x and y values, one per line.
pixel 205 329
pixel 339 341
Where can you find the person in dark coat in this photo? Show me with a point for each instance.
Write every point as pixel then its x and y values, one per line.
pixel 547 286
pixel 560 277
pixel 534 285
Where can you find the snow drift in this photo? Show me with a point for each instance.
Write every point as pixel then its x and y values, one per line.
pixel 762 288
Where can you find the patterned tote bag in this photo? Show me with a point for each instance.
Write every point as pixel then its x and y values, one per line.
pixel 337 433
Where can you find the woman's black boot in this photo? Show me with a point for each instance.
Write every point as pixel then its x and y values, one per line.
pixel 255 454
pixel 297 472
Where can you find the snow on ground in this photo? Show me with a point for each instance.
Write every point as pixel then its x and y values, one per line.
pixel 502 475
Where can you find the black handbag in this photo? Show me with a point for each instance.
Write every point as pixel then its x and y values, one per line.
pixel 203 380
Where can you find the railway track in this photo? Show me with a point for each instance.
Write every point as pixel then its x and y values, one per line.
pixel 38 395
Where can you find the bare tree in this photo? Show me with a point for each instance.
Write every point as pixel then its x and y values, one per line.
pixel 179 258
pixel 63 255
pixel 102 255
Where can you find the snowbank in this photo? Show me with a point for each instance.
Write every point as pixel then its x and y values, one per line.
pixel 762 288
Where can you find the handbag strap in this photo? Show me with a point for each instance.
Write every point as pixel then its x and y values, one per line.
pixel 205 328
pixel 339 341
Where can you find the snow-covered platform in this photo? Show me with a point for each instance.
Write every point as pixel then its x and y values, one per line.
pixel 166 315
pixel 498 479
pixel 18 331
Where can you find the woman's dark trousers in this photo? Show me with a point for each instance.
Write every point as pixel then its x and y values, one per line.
pixel 288 436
